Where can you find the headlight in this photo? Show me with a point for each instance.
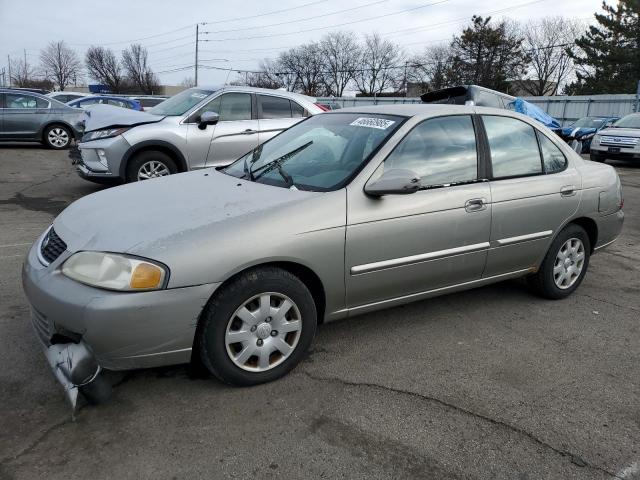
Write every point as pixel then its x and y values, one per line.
pixel 100 134
pixel 115 272
pixel 596 138
pixel 587 136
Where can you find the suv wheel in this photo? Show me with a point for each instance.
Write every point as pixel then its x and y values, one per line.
pixel 257 328
pixel 150 164
pixel 597 158
pixel 57 137
pixel 564 265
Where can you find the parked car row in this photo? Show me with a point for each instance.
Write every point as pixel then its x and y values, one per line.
pixel 342 213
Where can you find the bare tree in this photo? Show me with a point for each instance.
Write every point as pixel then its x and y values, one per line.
pixel 305 65
pixel 431 69
pixel 340 52
pixel 104 67
pixel 550 67
pixel 22 73
pixel 188 82
pixel 379 67
pixel 59 63
pixel 139 74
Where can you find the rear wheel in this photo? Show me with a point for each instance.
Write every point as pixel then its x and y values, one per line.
pixel 150 164
pixel 57 137
pixel 564 265
pixel 257 328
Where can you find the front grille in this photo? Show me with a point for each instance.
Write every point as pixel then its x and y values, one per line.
pixel 618 141
pixel 41 326
pixel 52 246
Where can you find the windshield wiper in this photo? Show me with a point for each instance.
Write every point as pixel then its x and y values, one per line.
pixel 277 164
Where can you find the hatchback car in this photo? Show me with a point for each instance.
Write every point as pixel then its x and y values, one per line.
pixel 121 102
pixel 621 141
pixel 31 117
pixel 342 214
pixel 199 127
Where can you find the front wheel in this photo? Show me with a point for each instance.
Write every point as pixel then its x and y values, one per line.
pixel 564 265
pixel 257 328
pixel 150 164
pixel 57 137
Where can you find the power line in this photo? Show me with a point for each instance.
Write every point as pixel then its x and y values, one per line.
pixel 300 19
pixel 132 40
pixel 330 26
pixel 266 13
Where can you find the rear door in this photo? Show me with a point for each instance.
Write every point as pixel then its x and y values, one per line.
pixel 276 114
pixel 24 114
pixel 236 133
pixel 534 191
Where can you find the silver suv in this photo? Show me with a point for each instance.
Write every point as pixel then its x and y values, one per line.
pixel 197 128
pixel 620 141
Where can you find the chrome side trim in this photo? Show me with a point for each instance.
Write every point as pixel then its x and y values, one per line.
pixel 436 291
pixel 524 238
pixel 423 257
pixel 604 245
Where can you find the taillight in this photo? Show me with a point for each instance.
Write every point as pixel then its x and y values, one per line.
pixel 321 107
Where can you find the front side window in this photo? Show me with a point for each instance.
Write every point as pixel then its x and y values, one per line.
pixel 440 151
pixel 18 100
pixel 274 107
pixel 321 153
pixel 230 107
pixel 554 160
pixel 513 146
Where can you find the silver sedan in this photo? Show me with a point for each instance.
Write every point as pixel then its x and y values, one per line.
pixel 344 213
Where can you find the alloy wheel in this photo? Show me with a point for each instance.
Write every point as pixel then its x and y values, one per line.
pixel 152 169
pixel 569 263
pixel 263 332
pixel 58 137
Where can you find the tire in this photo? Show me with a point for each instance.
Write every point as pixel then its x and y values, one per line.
pixel 558 276
pixel 597 158
pixel 57 137
pixel 220 324
pixel 98 391
pixel 151 163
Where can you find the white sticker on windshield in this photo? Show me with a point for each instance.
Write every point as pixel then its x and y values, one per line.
pixel 199 95
pixel 380 123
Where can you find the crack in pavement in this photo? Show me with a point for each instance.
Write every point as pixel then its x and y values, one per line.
pixel 574 458
pixel 35 443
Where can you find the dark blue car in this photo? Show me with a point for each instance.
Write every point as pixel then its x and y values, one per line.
pixel 580 133
pixel 106 100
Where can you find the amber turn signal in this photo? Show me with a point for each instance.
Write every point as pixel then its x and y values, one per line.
pixel 145 276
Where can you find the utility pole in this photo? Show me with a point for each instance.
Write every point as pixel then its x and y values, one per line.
pixel 9 63
pixel 196 64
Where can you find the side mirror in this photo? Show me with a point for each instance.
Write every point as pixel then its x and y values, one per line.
pixel 394 182
pixel 208 118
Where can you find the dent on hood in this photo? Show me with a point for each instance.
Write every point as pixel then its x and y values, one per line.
pixel 104 116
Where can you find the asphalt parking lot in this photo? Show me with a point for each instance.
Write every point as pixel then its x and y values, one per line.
pixel 489 383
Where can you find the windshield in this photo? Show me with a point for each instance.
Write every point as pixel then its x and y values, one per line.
pixel 630 121
pixel 589 122
pixel 181 103
pixel 321 153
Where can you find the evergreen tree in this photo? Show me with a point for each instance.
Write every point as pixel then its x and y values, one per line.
pixel 487 55
pixel 607 56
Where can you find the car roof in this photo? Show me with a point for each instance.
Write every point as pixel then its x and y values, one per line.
pixel 271 91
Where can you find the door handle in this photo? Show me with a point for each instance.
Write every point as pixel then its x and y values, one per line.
pixel 475 205
pixel 249 131
pixel 568 191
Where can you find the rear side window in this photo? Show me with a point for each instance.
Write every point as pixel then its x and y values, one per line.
pixel 297 111
pixel 553 159
pixel 513 146
pixel 274 107
pixel 440 150
pixel 17 100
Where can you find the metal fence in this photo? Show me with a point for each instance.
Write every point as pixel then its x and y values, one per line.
pixel 566 109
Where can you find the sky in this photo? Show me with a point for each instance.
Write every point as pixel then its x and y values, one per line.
pixel 239 34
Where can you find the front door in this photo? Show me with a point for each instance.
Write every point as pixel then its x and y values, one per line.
pixel 236 133
pixel 534 191
pixel 401 245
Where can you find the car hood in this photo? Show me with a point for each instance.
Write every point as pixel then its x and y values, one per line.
pixel 104 116
pixel 147 218
pixel 577 132
pixel 621 132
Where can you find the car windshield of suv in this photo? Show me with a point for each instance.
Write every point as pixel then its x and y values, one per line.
pixel 318 154
pixel 181 103
pixel 630 121
pixel 589 122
